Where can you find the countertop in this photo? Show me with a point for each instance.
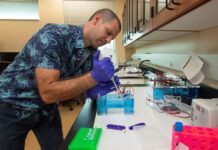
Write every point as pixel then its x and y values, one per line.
pixel 156 135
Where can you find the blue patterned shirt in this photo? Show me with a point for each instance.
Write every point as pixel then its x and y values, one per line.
pixel 55 46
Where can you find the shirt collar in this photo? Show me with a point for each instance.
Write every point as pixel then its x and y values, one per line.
pixel 79 43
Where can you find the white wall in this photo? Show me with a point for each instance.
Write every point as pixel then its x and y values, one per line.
pixel 78 11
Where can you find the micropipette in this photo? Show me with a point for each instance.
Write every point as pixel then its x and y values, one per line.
pixel 112 79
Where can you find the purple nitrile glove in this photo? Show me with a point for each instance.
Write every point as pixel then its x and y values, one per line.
pixel 102 70
pixel 102 88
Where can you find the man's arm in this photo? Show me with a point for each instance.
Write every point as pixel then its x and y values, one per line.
pixel 52 89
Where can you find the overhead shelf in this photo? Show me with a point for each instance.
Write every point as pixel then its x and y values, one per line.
pixel 201 18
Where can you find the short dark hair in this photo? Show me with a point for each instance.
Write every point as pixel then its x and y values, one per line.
pixel 108 15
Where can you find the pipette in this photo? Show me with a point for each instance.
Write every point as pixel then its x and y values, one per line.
pixel 112 79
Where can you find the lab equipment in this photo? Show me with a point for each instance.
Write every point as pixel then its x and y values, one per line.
pixel 86 139
pixel 177 101
pixel 125 101
pixel 102 88
pixel 116 127
pixel 186 92
pixel 138 125
pixel 113 80
pixel 194 138
pixel 205 112
pixel 168 84
pixel 121 127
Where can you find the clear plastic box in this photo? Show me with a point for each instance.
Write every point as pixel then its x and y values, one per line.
pixel 184 91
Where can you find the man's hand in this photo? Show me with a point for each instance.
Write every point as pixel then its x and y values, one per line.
pixel 102 88
pixel 103 70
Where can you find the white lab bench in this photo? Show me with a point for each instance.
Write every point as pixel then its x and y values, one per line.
pixel 133 81
pixel 135 78
pixel 156 135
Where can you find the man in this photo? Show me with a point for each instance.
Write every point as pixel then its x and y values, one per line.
pixel 58 63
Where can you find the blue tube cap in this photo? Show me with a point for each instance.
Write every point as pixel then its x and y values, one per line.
pixel 178 126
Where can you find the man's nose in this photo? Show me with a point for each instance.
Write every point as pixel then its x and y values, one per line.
pixel 109 38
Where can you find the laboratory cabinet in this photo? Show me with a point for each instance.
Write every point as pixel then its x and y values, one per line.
pixel 136 15
pixel 172 10
pixel 142 17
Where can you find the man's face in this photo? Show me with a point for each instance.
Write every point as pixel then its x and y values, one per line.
pixel 103 32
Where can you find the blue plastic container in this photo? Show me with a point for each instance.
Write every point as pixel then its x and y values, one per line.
pixel 189 92
pixel 125 101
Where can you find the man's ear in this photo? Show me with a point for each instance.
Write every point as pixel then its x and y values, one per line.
pixel 96 19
